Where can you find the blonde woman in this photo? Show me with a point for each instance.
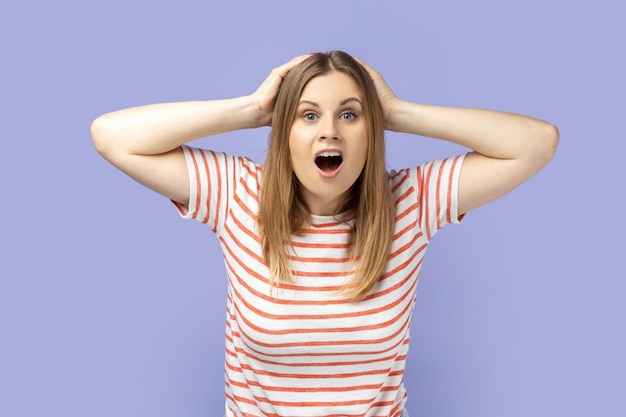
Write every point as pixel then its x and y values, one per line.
pixel 322 245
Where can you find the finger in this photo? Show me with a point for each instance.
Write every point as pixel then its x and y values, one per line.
pixel 271 84
pixel 371 71
pixel 285 68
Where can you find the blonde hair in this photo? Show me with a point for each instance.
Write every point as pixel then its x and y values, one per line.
pixel 282 211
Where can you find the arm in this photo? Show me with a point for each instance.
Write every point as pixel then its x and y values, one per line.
pixel 508 148
pixel 145 141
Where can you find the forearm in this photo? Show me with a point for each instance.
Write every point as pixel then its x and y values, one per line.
pixel 158 128
pixel 490 133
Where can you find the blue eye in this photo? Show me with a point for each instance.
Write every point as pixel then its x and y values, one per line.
pixel 348 116
pixel 310 116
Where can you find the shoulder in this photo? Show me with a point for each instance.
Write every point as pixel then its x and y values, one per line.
pixel 206 159
pixel 426 172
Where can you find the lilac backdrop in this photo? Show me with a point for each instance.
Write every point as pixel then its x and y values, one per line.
pixel 110 305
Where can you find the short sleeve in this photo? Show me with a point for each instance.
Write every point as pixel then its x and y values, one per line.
pixel 211 185
pixel 431 191
pixel 439 197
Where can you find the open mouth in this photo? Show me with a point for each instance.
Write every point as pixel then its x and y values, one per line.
pixel 328 161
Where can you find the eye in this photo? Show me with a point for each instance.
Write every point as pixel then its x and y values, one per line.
pixel 309 117
pixel 348 116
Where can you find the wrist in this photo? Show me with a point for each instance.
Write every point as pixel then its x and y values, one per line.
pixel 249 112
pixel 394 112
pixel 255 108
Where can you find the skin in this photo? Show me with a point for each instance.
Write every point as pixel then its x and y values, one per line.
pixel 507 148
pixel 329 117
pixel 145 141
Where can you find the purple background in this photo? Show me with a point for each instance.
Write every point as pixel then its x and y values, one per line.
pixel 110 305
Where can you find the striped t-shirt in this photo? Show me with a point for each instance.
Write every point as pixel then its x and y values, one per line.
pixel 302 349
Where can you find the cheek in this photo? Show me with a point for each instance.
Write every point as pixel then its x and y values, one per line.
pixel 293 151
pixel 365 151
pixel 297 145
pixel 292 146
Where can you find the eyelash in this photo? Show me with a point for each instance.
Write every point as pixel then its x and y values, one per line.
pixel 352 114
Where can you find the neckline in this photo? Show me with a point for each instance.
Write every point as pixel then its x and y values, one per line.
pixel 331 220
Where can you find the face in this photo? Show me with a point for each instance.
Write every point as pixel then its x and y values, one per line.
pixel 328 140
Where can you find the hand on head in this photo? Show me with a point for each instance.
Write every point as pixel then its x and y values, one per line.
pixel 385 94
pixel 265 95
pixel 267 91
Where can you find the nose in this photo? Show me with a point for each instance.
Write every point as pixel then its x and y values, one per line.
pixel 328 129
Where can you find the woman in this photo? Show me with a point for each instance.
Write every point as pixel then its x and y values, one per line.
pixel 322 246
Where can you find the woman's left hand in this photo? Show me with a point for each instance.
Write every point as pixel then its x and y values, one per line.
pixel 386 96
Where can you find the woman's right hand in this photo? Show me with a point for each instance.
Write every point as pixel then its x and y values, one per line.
pixel 144 142
pixel 265 95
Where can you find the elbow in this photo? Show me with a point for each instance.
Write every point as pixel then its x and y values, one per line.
pixel 97 134
pixel 547 141
pixel 101 135
pixel 551 140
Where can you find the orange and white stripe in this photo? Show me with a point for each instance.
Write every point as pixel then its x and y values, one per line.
pixel 302 350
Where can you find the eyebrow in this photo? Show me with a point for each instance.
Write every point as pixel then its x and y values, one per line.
pixel 343 102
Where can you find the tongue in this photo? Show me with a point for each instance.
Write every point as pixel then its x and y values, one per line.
pixel 329 163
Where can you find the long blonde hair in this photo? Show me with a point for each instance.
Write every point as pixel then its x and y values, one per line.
pixel 282 211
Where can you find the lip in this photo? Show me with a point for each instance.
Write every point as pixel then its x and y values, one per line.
pixel 329 175
pixel 328 150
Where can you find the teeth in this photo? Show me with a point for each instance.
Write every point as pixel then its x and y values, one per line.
pixel 328 154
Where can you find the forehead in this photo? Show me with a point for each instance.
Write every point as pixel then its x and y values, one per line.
pixel 332 87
